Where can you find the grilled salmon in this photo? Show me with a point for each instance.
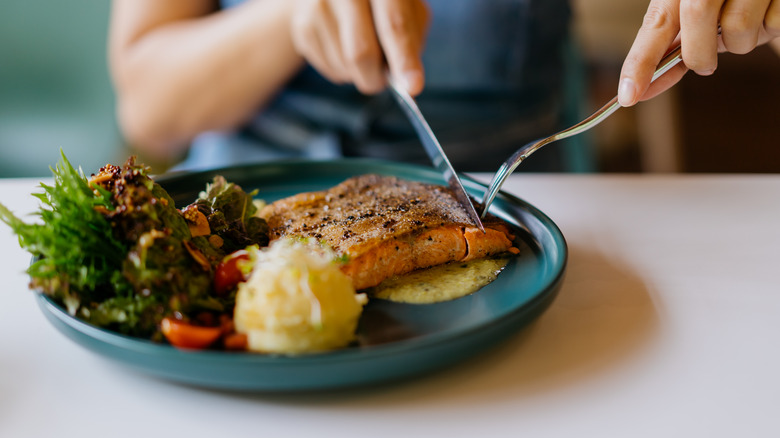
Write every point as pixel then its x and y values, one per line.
pixel 387 226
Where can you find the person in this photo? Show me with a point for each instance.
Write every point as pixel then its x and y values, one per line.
pixel 743 25
pixel 256 80
pixel 259 80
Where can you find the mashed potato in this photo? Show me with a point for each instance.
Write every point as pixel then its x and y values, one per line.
pixel 297 300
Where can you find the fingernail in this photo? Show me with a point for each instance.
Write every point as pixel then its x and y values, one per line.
pixel 626 92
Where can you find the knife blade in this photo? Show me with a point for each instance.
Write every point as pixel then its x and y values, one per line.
pixel 433 148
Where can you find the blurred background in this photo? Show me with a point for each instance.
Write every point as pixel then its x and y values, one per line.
pixel 54 86
pixel 55 94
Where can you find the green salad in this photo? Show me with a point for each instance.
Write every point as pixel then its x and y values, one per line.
pixel 115 251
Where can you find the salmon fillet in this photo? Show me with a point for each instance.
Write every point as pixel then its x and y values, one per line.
pixel 387 226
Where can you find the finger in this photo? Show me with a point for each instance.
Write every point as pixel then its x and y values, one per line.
pixel 308 38
pixel 698 31
pixel 330 44
pixel 665 82
pixel 772 20
pixel 741 23
pixel 362 55
pixel 323 64
pixel 401 31
pixel 422 11
pixel 658 31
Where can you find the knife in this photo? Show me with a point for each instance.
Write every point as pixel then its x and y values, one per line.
pixel 433 148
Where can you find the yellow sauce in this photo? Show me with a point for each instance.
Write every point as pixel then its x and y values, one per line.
pixel 440 283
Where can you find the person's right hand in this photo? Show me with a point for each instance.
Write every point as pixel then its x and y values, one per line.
pixel 353 41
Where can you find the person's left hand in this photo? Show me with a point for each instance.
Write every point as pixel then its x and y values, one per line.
pixel 744 25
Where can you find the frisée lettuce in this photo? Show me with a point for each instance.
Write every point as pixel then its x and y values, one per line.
pixel 114 250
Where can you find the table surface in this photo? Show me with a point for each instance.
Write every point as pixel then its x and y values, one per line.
pixel 667 325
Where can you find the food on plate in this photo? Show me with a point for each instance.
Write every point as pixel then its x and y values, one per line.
pixel 297 300
pixel 231 216
pixel 114 251
pixel 385 226
pixel 440 283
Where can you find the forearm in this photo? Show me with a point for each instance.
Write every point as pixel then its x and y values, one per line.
pixel 204 73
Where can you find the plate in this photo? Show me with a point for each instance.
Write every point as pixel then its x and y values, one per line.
pixel 398 340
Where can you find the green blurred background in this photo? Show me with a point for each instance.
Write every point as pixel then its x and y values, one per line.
pixel 55 92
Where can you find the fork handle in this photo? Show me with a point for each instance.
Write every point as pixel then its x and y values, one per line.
pixel 667 63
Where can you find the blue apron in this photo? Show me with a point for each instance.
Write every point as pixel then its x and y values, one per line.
pixel 493 74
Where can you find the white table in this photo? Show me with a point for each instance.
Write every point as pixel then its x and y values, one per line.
pixel 668 324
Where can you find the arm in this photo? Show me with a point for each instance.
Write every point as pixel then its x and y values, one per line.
pixel 745 24
pixel 181 68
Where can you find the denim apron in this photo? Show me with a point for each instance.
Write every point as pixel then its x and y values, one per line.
pixel 493 74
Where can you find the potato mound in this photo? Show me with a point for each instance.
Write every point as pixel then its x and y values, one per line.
pixel 297 300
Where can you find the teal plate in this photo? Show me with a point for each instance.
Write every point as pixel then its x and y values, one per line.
pixel 396 340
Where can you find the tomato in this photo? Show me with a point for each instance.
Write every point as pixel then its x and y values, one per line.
pixel 228 274
pixel 235 341
pixel 185 335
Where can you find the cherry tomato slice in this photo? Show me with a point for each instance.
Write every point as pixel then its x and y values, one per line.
pixel 184 335
pixel 235 341
pixel 227 274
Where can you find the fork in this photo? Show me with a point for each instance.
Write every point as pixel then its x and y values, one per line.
pixel 670 60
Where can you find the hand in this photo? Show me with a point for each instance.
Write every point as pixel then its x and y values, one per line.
pixel 744 24
pixel 349 41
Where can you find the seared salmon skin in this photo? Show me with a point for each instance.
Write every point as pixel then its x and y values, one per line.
pixel 387 226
